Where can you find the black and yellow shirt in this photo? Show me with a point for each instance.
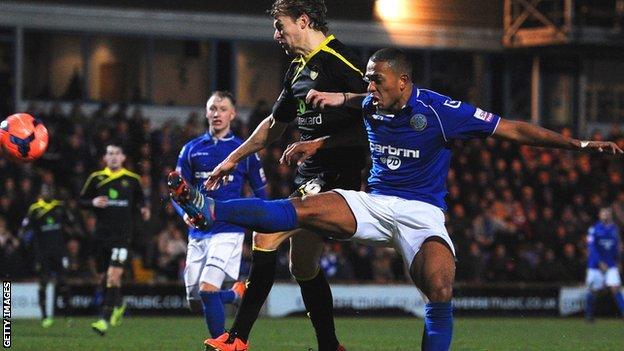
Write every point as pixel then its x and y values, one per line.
pixel 47 220
pixel 331 67
pixel 125 197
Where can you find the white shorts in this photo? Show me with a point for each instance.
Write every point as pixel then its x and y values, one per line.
pixel 597 279
pixel 392 221
pixel 211 260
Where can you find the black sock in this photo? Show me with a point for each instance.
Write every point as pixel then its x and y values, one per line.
pixel 42 300
pixel 319 302
pixel 117 297
pixel 63 291
pixel 109 302
pixel 260 281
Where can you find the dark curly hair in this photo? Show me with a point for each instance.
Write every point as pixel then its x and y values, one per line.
pixel 315 9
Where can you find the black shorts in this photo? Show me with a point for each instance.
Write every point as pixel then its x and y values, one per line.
pixel 110 255
pixel 345 179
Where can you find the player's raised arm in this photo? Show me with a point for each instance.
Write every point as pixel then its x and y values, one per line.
pixel 530 134
pixel 321 99
pixel 266 133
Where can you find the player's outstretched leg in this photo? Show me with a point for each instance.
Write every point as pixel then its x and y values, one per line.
pixel 198 208
pixel 433 271
pixel 260 215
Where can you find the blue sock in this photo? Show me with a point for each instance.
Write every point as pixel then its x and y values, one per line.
pixel 619 299
pixel 227 296
pixel 589 305
pixel 260 215
pixel 438 326
pixel 213 312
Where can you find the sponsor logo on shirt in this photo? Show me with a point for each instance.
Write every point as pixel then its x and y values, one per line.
pixel 310 120
pixel 483 115
pixel 195 154
pixel 393 160
pixel 394 151
pixel 117 203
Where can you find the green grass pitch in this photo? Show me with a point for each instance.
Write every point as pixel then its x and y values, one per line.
pixel 357 334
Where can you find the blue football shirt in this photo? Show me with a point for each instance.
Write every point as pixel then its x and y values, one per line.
pixel 200 156
pixel 603 245
pixel 410 150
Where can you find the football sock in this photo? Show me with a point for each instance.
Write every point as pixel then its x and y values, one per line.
pixel 259 215
pixel 589 305
pixel 42 300
pixel 619 299
pixel 227 296
pixel 109 302
pixel 214 313
pixel 438 326
pixel 63 290
pixel 318 300
pixel 117 297
pixel 259 283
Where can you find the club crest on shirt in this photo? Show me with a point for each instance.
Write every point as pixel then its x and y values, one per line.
pixel 313 75
pixel 418 122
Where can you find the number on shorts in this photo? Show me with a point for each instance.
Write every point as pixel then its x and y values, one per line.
pixel 119 254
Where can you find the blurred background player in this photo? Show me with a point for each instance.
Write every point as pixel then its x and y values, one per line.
pixel 214 255
pixel 45 226
pixel 115 196
pixel 321 61
pixel 604 248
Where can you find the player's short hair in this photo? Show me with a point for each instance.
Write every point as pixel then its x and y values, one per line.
pixel 395 58
pixel 224 94
pixel 118 144
pixel 315 9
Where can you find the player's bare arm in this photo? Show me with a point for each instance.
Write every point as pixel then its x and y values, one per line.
pixel 321 99
pixel 268 131
pixel 530 134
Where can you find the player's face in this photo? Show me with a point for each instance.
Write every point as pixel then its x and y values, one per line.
pixel 289 34
pixel 605 215
pixel 220 112
pixel 385 85
pixel 114 157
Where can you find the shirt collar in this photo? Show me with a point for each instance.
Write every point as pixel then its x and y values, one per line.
pixel 228 136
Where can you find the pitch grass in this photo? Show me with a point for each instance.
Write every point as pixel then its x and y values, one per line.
pixel 357 334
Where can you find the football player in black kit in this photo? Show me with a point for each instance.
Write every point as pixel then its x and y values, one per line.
pixel 334 155
pixel 45 226
pixel 115 196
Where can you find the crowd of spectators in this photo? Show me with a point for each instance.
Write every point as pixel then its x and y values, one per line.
pixel 515 214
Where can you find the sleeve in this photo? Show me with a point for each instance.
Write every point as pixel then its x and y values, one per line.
pixel 256 176
pixel 184 165
pixel 590 240
pixel 285 108
pixel 87 194
pixel 460 120
pixel 139 195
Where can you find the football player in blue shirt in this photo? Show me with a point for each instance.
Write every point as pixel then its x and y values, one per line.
pixel 409 131
pixel 214 254
pixel 604 249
